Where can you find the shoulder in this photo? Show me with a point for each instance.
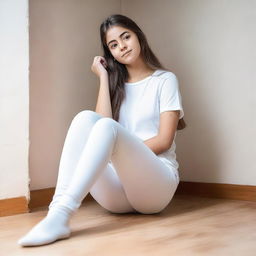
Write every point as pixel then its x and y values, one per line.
pixel 168 83
pixel 163 75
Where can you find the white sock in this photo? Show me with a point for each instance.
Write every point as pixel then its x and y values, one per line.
pixel 53 227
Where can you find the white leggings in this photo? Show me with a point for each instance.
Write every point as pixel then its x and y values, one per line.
pixel 121 173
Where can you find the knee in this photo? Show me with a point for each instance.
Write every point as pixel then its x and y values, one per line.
pixel 87 115
pixel 106 123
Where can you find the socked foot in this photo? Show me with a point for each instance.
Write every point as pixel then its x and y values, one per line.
pixel 53 227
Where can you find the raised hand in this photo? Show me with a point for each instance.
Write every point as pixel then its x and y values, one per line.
pixel 99 66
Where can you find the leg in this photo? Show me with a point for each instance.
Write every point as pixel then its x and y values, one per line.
pixel 108 184
pixel 109 192
pixel 76 138
pixel 75 141
pixel 148 183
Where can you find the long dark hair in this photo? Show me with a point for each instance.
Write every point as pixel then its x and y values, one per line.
pixel 117 71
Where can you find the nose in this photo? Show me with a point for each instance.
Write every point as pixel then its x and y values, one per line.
pixel 122 46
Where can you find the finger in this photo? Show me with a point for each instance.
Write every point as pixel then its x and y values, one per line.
pixel 97 57
pixel 104 60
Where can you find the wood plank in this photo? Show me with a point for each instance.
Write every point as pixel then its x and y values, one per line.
pixel 226 191
pixel 43 197
pixel 12 206
pixel 188 226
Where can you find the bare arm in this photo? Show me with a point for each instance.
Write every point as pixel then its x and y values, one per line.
pixel 155 145
pixel 103 106
pixel 167 128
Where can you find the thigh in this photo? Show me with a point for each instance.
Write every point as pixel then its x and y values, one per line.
pixel 109 193
pixel 149 184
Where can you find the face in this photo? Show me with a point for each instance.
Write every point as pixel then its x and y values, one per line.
pixel 120 41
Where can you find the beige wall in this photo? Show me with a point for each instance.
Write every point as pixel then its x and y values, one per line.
pixel 208 44
pixel 14 99
pixel 64 38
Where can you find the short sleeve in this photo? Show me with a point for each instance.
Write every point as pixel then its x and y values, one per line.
pixel 170 98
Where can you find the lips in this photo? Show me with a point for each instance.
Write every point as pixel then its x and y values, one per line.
pixel 126 53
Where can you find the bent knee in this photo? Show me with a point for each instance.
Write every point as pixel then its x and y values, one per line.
pixel 106 121
pixel 106 124
pixel 87 114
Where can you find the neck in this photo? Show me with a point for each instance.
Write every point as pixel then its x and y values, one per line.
pixel 138 70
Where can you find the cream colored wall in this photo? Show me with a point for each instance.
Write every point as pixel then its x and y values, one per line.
pixel 64 38
pixel 210 46
pixel 14 99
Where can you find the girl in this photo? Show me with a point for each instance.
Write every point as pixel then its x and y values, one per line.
pixel 124 152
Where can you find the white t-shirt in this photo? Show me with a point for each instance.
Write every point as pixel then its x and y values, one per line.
pixel 145 100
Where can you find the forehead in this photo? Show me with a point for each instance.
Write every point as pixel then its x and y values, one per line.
pixel 114 32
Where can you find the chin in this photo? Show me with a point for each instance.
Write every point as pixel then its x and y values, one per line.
pixel 130 61
pixel 126 62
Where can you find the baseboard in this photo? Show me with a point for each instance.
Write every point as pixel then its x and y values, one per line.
pixel 13 206
pixel 43 197
pixel 216 190
pixel 40 197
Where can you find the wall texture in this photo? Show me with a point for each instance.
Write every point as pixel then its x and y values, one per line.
pixel 210 46
pixel 14 99
pixel 64 38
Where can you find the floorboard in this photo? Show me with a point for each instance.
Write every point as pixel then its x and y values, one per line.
pixel 188 226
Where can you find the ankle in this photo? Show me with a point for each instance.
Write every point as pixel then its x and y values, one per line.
pixel 61 213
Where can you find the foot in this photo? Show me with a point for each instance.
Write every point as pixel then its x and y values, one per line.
pixel 53 227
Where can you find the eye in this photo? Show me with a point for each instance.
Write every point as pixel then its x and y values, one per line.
pixel 112 46
pixel 126 38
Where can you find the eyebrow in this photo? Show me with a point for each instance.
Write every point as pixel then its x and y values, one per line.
pixel 119 36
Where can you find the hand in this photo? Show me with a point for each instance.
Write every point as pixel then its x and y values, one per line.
pixel 99 66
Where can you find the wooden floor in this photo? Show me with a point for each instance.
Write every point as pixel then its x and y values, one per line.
pixel 188 226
